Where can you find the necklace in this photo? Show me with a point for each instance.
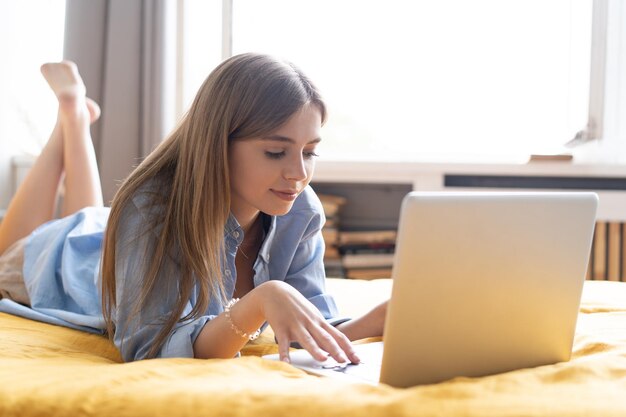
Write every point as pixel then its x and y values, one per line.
pixel 254 239
pixel 243 253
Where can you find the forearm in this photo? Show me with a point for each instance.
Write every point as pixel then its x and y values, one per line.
pixel 217 339
pixel 368 325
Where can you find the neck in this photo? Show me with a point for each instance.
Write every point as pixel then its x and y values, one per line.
pixel 249 224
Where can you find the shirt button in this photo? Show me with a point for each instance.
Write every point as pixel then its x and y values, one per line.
pixel 227 272
pixel 235 234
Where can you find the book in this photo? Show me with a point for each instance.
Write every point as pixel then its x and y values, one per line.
pixel 623 252
pixel 332 199
pixel 599 252
pixel 330 235
pixel 614 251
pixel 551 157
pixel 368 273
pixel 332 221
pixel 331 203
pixel 368 236
pixel 334 268
pixel 375 247
pixel 367 260
pixel 331 252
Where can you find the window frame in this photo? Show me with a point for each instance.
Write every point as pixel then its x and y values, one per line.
pixel 594 128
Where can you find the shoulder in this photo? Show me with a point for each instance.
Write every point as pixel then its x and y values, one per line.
pixel 307 201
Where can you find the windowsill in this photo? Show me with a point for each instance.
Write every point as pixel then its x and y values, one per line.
pixel 435 176
pixel 381 171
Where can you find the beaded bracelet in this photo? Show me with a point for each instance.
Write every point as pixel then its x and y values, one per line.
pixel 236 329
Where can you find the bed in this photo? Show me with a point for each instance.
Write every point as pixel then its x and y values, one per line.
pixel 55 371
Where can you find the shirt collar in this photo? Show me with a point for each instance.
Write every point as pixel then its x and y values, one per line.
pixel 232 230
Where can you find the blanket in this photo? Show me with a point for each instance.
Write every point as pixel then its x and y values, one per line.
pixel 46 370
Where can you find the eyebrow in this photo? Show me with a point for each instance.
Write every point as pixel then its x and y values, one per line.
pixel 279 138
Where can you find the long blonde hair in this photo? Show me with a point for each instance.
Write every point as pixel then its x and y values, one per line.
pixel 248 95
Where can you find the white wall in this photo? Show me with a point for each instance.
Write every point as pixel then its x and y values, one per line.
pixel 31 32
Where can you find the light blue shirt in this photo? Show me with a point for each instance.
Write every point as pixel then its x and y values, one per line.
pixel 62 273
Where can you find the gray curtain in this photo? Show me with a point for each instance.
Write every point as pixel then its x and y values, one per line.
pixel 125 51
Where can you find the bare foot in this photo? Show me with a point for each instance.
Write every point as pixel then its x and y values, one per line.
pixel 64 79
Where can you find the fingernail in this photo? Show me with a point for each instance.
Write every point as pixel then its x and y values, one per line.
pixel 286 359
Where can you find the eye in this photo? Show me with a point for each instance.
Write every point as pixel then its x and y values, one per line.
pixel 274 155
pixel 309 154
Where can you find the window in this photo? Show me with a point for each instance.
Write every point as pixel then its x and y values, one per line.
pixel 32 33
pixel 409 80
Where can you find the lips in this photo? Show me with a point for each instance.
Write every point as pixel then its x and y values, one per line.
pixel 286 195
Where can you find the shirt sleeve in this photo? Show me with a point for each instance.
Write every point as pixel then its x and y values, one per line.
pixel 136 331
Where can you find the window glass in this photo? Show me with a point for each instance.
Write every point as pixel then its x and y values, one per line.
pixel 201 36
pixel 410 80
pixel 31 33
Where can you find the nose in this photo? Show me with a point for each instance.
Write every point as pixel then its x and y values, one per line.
pixel 296 169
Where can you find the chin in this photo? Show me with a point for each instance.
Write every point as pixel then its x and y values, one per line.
pixel 278 210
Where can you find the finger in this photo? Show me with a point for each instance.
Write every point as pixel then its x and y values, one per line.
pixel 343 342
pixel 309 343
pixel 327 342
pixel 283 348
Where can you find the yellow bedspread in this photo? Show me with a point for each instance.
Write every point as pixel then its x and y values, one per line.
pixel 53 371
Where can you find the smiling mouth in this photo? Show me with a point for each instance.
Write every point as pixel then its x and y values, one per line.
pixel 286 195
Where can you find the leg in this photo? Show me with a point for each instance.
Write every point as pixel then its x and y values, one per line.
pixel 33 203
pixel 68 150
pixel 82 179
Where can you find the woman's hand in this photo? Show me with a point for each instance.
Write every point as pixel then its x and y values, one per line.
pixel 294 319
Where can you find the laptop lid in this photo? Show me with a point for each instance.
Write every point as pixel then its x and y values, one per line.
pixel 485 283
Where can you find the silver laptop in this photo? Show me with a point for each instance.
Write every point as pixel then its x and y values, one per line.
pixel 483 283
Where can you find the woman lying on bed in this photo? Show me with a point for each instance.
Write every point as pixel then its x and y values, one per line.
pixel 220 211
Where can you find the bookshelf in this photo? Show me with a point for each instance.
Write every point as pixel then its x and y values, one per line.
pixel 361 227
pixel 374 191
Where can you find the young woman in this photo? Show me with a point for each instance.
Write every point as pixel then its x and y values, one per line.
pixel 214 234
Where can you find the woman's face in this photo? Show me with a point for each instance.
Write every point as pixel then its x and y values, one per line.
pixel 267 173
